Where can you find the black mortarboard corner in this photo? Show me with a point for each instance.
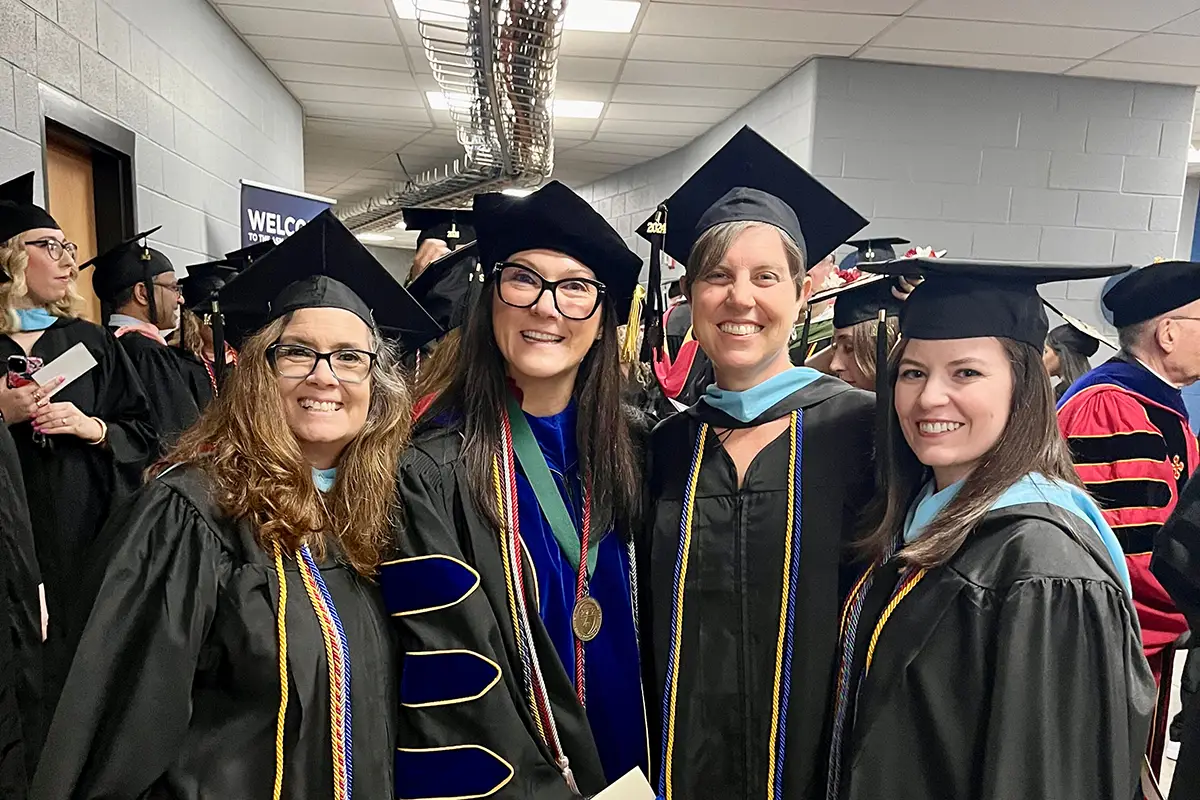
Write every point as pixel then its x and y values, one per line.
pixel 203 281
pixel 447 289
pixel 872 251
pixel 452 225
pixel 860 301
pixel 17 211
pixel 1079 336
pixel 131 262
pixel 322 265
pixel 1152 291
pixel 555 218
pixel 245 257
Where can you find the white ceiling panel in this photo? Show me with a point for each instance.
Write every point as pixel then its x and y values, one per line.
pixel 1154 73
pixel 691 49
pixel 659 138
pixel 356 94
pixel 343 54
pixel 657 112
pixel 895 7
pixel 289 71
pixel 761 24
pixel 973 60
pixel 577 68
pixel 253 21
pixel 365 8
pixel 643 150
pixel 367 112
pixel 660 73
pixel 1186 26
pixel 682 95
pixel 583 90
pixel 1001 38
pixel 593 44
pixel 1159 48
pixel 692 129
pixel 1142 15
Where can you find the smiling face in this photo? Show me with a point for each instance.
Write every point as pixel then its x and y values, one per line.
pixel 952 399
pixel 540 346
pixel 744 308
pixel 47 280
pixel 325 414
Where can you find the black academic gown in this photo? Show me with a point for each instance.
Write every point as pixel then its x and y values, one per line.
pixel 1014 671
pixel 173 406
pixel 196 377
pixel 734 587
pixel 1176 564
pixel 174 691
pixel 20 631
pixel 72 485
pixel 446 589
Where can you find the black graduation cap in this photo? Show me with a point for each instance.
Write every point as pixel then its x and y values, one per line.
pixel 749 179
pixel 1152 291
pixel 17 211
pixel 451 225
pixel 447 289
pixel 1079 336
pixel 555 218
pixel 203 281
pixel 127 264
pixel 246 256
pixel 322 265
pixel 966 298
pixel 867 251
pixel 860 301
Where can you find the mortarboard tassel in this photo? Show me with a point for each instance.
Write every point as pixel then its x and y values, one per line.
pixel 656 231
pixel 217 323
pixel 883 400
pixel 629 348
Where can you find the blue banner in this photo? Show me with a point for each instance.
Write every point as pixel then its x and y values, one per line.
pixel 269 213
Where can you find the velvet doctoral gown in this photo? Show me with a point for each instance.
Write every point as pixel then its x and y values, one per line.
pixel 732 597
pixel 466 729
pixel 1013 671
pixel 175 689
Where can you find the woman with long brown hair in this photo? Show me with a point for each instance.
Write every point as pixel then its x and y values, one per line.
pixel 512 583
pixel 856 311
pixel 991 649
pixel 238 646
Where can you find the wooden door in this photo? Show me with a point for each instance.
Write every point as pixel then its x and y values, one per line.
pixel 70 192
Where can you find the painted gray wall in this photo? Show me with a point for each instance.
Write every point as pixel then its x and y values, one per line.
pixel 1187 220
pixel 984 164
pixel 205 109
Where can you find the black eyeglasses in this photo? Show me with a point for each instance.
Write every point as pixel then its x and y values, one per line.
pixel 173 288
pixel 521 287
pixel 54 248
pixel 298 361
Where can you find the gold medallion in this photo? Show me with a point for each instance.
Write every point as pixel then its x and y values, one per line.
pixel 586 619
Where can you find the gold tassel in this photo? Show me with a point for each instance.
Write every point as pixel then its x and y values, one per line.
pixel 629 349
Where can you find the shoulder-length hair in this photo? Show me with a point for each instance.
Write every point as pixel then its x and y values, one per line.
pixel 1072 365
pixel 1029 443
pixel 862 337
pixel 715 242
pixel 608 458
pixel 436 370
pixel 244 444
pixel 14 259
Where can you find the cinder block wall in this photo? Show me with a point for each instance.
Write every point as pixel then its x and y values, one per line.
pixel 985 164
pixel 205 110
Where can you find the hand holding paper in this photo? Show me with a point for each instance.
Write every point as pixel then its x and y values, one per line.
pixel 70 366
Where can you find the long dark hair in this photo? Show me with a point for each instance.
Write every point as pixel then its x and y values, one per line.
pixel 1072 365
pixel 608 458
pixel 1030 443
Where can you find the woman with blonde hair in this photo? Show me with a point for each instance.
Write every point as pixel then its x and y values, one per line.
pixel 82 446
pixel 239 646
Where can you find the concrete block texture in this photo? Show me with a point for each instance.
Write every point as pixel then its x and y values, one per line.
pixel 112 35
pixel 1056 207
pixel 99 79
pixel 1015 167
pixel 1134 137
pixel 1154 176
pixel 1165 214
pixel 78 18
pixel 1086 171
pixel 1115 211
pixel 18 34
pixel 8 110
pixel 1076 245
pixel 57 57
pixel 1142 247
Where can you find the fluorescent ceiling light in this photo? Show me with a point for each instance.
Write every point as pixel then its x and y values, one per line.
pixel 515 192
pixel 373 238
pixel 575 109
pixel 607 16
pixel 1194 155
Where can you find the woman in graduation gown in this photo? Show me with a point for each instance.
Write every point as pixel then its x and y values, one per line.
pixel 992 649
pixel 196 348
pixel 755 492
pixel 512 585
pixel 856 328
pixel 238 646
pixel 83 449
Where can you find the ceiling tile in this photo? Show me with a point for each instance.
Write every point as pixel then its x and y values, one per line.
pixel 655 112
pixel 342 76
pixel 1001 38
pixel 973 60
pixel 361 111
pixel 590 157
pixel 1152 73
pixel 578 68
pixel 575 125
pixel 702 75
pixel 643 150
pixel 662 138
pixel 691 129
pixel 409 32
pixel 683 95
pixel 594 44
pixel 895 7
pixel 369 8
pixel 695 50
pixel 1113 14
pixel 760 24
pixel 312 51
pixel 1159 48
pixel 583 90
pixel 1187 26
pixel 355 94
pixel 253 21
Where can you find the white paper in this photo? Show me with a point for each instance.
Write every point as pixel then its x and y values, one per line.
pixel 633 786
pixel 71 365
